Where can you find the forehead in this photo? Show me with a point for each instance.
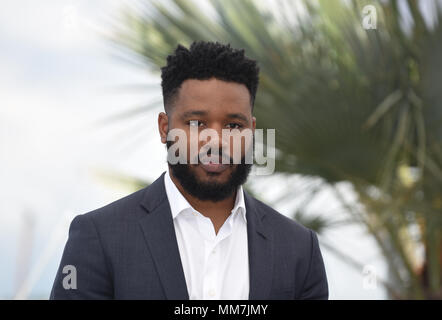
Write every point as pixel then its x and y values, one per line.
pixel 214 96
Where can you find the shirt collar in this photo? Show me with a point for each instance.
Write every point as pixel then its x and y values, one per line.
pixel 179 204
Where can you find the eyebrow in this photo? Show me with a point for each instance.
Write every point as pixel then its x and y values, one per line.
pixel 237 116
pixel 191 113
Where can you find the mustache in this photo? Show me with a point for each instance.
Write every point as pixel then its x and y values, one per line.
pixel 208 154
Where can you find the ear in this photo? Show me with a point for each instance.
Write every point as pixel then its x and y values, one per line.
pixel 253 124
pixel 163 126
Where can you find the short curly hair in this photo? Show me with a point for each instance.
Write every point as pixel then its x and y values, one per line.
pixel 204 60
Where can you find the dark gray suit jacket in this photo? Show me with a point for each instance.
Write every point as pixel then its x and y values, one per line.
pixel 128 250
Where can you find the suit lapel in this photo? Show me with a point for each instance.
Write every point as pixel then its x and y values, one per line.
pixel 260 251
pixel 159 233
pixel 160 236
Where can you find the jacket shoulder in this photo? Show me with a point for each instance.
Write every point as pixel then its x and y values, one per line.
pixel 121 209
pixel 282 224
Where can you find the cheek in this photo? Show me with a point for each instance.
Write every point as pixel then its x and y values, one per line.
pixel 180 139
pixel 239 146
pixel 194 146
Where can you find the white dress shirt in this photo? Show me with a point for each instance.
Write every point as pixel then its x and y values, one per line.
pixel 216 266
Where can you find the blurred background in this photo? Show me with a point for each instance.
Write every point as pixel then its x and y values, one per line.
pixel 353 89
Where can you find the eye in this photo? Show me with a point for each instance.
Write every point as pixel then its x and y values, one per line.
pixel 234 126
pixel 194 123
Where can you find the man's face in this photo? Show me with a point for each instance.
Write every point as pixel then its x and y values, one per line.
pixel 217 105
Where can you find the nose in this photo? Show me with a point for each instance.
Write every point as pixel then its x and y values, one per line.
pixel 215 139
pixel 212 139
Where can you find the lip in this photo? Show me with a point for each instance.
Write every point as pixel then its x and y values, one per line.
pixel 214 167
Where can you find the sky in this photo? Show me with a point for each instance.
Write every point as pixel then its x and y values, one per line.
pixel 59 80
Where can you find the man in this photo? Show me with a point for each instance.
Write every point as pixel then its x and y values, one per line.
pixel 195 233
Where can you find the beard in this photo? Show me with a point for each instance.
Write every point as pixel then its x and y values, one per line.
pixel 210 191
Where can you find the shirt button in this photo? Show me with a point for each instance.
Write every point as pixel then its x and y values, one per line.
pixel 213 251
pixel 212 292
